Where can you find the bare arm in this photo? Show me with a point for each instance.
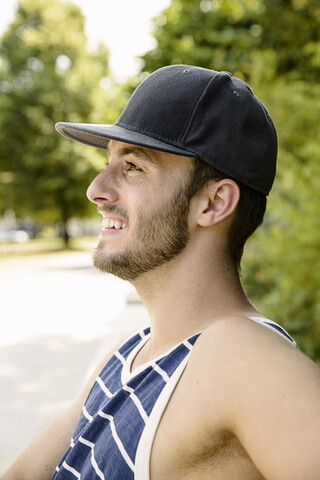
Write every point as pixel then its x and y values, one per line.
pixel 269 397
pixel 39 459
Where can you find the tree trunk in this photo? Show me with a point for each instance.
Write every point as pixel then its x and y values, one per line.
pixel 63 233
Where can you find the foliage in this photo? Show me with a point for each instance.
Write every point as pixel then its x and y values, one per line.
pixel 288 261
pixel 48 75
pixel 232 34
pixel 275 46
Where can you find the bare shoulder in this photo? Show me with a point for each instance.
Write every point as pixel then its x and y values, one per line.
pixel 245 356
pixel 238 327
pixel 238 342
pixel 261 388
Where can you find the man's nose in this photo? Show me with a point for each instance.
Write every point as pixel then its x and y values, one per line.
pixel 103 188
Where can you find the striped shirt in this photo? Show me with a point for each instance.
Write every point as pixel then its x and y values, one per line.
pixel 113 438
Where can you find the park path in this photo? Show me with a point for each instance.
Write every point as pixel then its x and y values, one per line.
pixel 58 316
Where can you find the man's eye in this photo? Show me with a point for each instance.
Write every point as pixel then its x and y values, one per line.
pixel 132 167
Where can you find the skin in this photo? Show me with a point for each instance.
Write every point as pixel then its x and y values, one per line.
pixel 248 404
pixel 153 239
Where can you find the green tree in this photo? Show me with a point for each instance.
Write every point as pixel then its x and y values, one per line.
pixel 275 46
pixel 239 35
pixel 48 75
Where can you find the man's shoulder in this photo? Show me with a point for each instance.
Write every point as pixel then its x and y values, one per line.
pixel 237 348
pixel 238 334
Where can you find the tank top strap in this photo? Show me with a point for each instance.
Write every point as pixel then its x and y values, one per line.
pixel 275 328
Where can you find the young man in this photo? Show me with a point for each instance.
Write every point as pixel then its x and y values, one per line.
pixel 213 390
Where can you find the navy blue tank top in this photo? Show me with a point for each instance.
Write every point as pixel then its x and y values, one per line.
pixel 113 438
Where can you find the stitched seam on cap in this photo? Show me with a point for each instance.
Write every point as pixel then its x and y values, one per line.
pixel 268 119
pixel 195 108
pixel 174 142
pixel 188 120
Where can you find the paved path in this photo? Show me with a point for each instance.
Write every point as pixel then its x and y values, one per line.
pixel 58 316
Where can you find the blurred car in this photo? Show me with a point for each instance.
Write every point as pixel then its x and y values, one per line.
pixel 18 235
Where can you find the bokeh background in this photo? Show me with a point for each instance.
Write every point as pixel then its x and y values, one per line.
pixel 79 62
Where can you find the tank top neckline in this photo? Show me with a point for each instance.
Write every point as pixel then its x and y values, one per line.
pixel 127 372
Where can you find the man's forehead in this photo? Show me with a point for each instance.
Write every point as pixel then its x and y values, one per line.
pixel 123 148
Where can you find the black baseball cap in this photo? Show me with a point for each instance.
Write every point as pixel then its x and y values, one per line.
pixel 196 112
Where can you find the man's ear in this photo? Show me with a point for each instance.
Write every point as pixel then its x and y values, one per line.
pixel 218 201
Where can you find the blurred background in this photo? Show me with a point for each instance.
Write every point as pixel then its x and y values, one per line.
pixel 79 62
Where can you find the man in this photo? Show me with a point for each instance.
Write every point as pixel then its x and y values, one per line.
pixel 213 390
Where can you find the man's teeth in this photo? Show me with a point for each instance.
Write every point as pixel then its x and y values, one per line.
pixel 110 223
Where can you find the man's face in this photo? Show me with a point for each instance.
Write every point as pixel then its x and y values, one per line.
pixel 143 197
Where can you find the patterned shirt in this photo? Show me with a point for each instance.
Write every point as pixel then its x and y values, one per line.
pixel 113 438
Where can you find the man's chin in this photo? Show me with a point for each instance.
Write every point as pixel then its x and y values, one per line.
pixel 100 259
pixel 103 254
pixel 114 264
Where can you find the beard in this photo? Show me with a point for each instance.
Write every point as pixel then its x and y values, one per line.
pixel 157 238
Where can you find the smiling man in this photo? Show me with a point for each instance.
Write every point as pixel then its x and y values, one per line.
pixel 146 237
pixel 211 389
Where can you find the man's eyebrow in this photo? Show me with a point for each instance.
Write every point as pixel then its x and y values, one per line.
pixel 138 151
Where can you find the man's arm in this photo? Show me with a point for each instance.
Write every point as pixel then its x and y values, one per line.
pixel 39 459
pixel 268 394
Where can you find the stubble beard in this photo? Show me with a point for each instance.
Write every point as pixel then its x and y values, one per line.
pixel 158 237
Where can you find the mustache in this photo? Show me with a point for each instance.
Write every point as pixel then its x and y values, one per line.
pixel 119 212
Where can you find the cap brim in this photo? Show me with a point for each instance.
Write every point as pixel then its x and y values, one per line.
pixel 98 136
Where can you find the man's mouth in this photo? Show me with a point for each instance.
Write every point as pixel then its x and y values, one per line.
pixel 108 223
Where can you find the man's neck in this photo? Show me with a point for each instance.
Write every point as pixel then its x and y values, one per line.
pixel 186 296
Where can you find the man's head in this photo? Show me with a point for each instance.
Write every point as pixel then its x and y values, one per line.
pixel 196 112
pixel 210 116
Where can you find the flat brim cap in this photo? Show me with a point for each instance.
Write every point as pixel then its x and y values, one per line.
pixel 195 112
pixel 99 136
